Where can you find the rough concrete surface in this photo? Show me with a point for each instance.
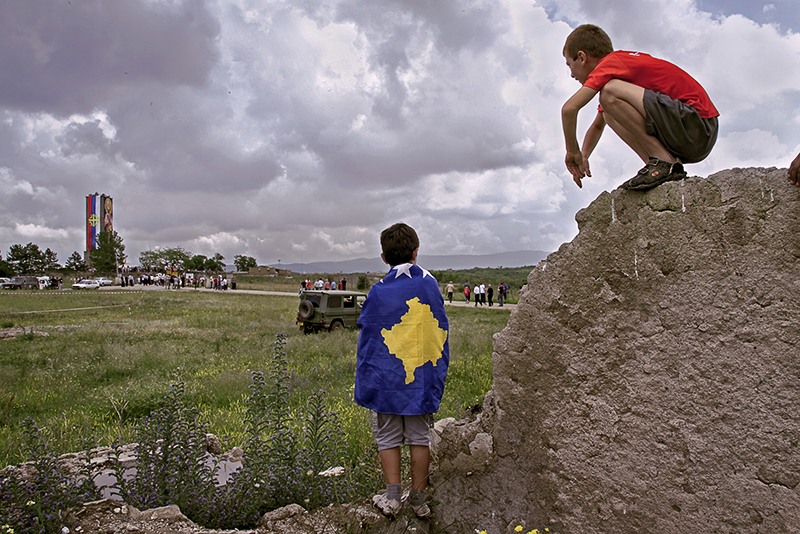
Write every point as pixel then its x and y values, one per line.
pixel 649 379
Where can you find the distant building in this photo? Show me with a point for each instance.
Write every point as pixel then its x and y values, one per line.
pixel 263 270
pixel 99 218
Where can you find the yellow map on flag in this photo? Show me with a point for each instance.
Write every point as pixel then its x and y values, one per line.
pixel 416 339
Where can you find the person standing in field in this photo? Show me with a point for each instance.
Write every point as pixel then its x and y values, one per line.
pixel 401 365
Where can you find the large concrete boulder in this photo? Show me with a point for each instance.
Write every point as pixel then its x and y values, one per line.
pixel 649 380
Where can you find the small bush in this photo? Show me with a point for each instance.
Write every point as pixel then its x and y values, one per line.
pixel 288 457
pixel 33 497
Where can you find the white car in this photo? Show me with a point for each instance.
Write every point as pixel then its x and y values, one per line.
pixel 103 281
pixel 86 284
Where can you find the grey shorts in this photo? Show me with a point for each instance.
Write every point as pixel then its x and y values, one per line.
pixel 680 129
pixel 394 430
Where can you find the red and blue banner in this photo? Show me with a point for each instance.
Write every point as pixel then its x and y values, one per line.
pixel 99 217
pixel 92 221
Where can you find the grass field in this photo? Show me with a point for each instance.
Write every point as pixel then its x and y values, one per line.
pixel 110 357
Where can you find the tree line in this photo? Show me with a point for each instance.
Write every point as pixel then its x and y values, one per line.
pixel 179 259
pixel 110 254
pixel 30 259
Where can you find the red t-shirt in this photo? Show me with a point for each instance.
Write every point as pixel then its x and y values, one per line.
pixel 656 74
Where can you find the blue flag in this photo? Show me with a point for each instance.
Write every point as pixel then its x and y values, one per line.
pixel 403 346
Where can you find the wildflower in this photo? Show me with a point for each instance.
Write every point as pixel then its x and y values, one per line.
pixel 30 503
pixel 518 528
pixel 332 472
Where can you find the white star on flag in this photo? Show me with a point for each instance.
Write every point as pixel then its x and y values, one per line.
pixel 405 269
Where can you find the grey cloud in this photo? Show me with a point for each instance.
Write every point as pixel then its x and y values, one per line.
pixel 473 24
pixel 65 57
pixel 85 138
pixel 234 116
pixel 395 28
pixel 406 139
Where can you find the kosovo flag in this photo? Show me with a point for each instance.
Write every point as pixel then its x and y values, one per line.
pixel 403 348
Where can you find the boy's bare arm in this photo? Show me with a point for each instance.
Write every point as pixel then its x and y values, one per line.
pixel 593 135
pixel 569 120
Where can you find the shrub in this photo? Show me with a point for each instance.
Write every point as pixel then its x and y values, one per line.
pixel 290 456
pixel 33 496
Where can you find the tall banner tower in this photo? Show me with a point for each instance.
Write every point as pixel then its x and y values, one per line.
pixel 99 217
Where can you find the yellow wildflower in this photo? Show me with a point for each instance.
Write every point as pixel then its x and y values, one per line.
pixel 518 528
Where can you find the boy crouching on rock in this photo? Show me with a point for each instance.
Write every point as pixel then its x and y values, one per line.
pixel 401 367
pixel 656 108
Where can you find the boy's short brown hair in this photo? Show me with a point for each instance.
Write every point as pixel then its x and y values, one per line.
pixel 589 38
pixel 398 243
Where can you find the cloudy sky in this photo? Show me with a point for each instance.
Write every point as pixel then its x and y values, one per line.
pixel 297 130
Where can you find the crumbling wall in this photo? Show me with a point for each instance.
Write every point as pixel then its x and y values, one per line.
pixel 649 379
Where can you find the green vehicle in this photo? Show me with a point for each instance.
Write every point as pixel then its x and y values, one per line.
pixel 329 309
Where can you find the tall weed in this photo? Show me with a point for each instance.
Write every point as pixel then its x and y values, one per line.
pixel 34 496
pixel 289 457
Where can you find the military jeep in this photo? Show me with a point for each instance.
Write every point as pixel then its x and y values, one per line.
pixel 329 309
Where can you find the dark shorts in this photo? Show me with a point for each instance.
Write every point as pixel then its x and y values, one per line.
pixel 680 129
pixel 394 430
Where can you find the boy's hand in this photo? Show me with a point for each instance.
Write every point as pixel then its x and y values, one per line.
pixel 578 167
pixel 794 171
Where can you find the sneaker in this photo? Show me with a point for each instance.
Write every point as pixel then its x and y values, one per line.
pixel 389 507
pixel 421 511
pixel 655 173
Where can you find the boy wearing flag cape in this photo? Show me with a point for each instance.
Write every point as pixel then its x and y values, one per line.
pixel 402 359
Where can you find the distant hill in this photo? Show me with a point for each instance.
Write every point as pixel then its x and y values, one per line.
pixel 519 258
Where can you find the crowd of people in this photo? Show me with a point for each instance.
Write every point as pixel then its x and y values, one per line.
pixel 482 294
pixel 320 284
pixel 178 281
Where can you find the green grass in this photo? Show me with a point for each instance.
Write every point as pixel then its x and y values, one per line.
pixel 111 357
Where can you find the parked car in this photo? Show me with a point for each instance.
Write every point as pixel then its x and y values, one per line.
pixel 103 281
pixel 22 282
pixel 86 284
pixel 329 310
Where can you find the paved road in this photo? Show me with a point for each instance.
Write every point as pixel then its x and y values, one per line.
pixel 456 302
